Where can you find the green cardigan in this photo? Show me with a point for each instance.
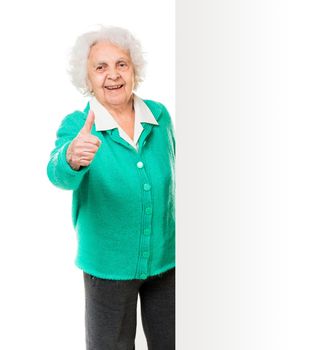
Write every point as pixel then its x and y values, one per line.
pixel 123 202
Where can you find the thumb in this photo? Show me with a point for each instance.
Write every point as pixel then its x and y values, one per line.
pixel 89 123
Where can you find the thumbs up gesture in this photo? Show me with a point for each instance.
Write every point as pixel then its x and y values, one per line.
pixel 83 148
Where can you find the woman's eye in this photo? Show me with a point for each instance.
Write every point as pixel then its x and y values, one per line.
pixel 122 64
pixel 99 68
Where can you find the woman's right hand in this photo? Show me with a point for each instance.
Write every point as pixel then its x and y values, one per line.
pixel 83 148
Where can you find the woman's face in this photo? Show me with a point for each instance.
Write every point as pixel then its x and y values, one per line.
pixel 110 74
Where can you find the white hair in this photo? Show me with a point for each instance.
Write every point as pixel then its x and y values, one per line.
pixel 120 37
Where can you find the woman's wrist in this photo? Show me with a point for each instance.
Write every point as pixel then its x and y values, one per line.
pixel 69 158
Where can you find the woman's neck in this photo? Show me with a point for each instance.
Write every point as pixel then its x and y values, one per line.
pixel 122 112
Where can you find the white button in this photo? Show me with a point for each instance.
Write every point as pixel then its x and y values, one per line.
pixel 139 165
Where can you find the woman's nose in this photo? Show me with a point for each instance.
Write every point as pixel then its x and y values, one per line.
pixel 113 74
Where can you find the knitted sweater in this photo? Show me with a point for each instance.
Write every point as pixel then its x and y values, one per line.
pixel 123 203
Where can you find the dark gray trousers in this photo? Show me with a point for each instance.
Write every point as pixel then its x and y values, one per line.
pixel 111 312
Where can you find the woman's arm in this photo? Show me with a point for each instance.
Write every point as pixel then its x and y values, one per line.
pixel 59 171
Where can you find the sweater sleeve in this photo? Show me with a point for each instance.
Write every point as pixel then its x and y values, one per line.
pixel 171 128
pixel 58 170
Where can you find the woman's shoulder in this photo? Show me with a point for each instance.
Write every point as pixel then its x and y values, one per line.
pixel 154 104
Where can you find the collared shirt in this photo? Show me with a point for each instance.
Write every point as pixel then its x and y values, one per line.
pixel 105 121
pixel 123 203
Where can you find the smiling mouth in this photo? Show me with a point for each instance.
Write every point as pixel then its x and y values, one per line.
pixel 114 87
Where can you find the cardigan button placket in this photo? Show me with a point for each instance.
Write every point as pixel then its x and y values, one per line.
pixel 145 232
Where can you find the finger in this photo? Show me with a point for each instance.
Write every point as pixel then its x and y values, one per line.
pixel 84 146
pixel 87 127
pixel 88 147
pixel 88 138
pixel 92 140
pixel 87 155
pixel 84 162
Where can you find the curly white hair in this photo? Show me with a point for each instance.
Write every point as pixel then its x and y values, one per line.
pixel 120 37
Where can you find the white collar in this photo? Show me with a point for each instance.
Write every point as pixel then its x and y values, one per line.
pixel 104 122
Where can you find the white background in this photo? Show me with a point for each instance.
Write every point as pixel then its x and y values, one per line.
pixel 42 300
pixel 255 174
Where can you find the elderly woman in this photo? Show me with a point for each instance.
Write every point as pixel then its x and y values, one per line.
pixel 117 156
